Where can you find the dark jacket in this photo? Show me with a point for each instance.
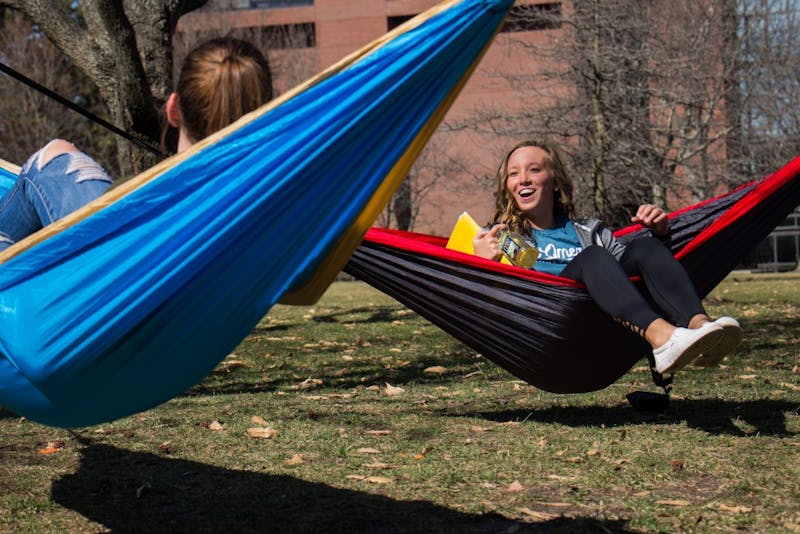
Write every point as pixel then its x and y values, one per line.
pixel 593 232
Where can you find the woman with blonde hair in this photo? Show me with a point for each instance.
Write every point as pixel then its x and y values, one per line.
pixel 534 197
pixel 220 81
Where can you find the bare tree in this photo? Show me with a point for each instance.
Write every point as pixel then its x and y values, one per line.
pixel 432 172
pixel 26 113
pixel 124 48
pixel 641 94
pixel 769 67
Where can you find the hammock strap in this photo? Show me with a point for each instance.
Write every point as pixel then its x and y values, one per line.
pixel 74 107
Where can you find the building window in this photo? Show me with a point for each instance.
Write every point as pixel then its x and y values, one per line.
pixel 532 17
pixel 302 35
pixel 281 36
pixel 521 18
pixel 394 22
pixel 266 4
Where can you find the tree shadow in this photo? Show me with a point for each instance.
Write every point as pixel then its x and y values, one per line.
pixel 233 381
pixel 129 491
pixel 766 417
pixel 373 314
pixel 7 414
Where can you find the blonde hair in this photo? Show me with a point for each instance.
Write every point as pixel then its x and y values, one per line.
pixel 506 209
pixel 220 81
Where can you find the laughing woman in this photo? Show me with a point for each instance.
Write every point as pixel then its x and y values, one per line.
pixel 534 197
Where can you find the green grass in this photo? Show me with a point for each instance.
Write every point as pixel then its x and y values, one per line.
pixel 461 447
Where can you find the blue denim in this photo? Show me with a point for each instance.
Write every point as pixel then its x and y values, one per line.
pixel 43 194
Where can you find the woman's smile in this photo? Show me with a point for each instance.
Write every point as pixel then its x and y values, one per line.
pixel 531 183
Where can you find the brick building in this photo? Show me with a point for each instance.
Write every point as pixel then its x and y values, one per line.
pixel 303 37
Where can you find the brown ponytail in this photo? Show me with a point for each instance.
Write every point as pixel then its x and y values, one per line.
pixel 220 81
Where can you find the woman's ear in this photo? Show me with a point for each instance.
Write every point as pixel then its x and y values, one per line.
pixel 174 111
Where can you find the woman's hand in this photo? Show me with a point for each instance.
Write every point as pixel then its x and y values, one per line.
pixel 486 243
pixel 652 217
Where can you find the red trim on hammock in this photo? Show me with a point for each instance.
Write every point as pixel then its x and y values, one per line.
pixel 636 227
pixel 760 192
pixel 430 245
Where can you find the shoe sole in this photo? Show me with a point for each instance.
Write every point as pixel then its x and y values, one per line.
pixel 731 337
pixel 701 346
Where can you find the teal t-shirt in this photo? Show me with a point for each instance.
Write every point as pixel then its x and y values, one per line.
pixel 557 246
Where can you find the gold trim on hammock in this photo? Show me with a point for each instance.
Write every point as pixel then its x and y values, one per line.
pixel 319 281
pixel 150 174
pixel 323 276
pixel 10 167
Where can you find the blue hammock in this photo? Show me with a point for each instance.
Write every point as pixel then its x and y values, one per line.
pixel 130 301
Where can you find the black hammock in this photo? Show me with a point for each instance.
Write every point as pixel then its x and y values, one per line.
pixel 546 329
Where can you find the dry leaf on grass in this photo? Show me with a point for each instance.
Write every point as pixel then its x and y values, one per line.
pixel 734 509
pixel 515 487
pixel 261 432
pixel 379 465
pixel 165 447
pixel 619 463
pixel 510 423
pixel 674 502
pixel 393 391
pixel 435 370
pixel 52 447
pixel 371 479
pixel 309 383
pixel 258 420
pixel 379 432
pixel 368 450
pixel 551 504
pixel 379 480
pixel 297 459
pixel 538 516
pixel 215 425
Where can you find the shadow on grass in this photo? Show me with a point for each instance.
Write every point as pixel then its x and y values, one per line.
pixel 235 381
pixel 6 413
pixel 139 492
pixel 373 314
pixel 766 417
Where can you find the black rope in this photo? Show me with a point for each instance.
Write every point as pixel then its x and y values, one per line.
pixel 74 107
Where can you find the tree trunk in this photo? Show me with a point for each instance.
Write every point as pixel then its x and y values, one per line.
pixel 124 48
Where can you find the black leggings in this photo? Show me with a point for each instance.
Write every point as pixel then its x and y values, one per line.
pixel 608 282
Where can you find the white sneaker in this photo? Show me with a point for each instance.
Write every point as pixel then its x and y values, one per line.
pixel 685 345
pixel 731 337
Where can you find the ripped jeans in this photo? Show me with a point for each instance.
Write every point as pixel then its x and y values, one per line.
pixel 45 193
